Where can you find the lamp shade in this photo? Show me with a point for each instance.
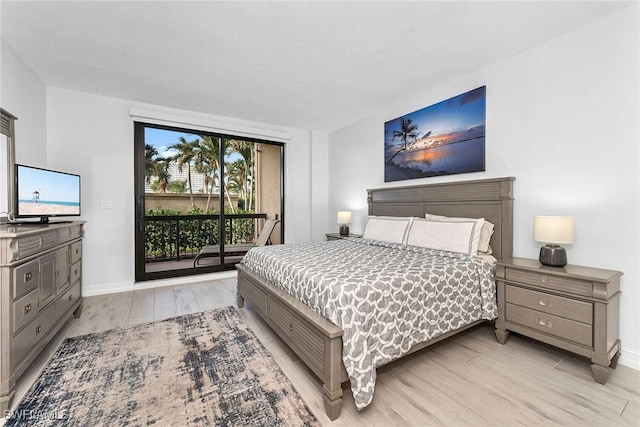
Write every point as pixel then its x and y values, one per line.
pixel 344 217
pixel 553 229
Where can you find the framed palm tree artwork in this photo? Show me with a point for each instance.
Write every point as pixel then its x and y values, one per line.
pixel 443 139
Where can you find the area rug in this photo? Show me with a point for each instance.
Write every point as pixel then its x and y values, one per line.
pixel 204 369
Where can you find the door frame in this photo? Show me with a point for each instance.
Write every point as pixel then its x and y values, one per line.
pixel 139 202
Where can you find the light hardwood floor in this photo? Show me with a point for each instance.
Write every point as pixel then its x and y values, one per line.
pixel 469 380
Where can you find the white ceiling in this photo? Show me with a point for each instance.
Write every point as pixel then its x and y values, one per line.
pixel 311 65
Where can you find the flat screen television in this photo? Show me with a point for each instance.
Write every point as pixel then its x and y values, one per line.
pixel 43 193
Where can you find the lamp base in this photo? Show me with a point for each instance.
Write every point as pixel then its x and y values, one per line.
pixel 554 256
pixel 344 230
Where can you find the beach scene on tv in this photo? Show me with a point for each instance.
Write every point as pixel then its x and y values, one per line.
pixel 42 192
pixel 442 139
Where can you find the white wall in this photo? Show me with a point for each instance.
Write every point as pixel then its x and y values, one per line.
pixel 320 186
pixel 93 136
pixel 22 94
pixel 563 119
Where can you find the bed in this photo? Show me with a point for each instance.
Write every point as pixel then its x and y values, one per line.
pixel 319 342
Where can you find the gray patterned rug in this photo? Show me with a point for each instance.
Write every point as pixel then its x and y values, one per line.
pixel 200 369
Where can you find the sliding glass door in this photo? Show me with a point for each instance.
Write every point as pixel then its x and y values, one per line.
pixel 201 199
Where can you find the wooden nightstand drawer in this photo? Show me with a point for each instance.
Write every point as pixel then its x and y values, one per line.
pixel 550 281
pixel 579 311
pixel 553 325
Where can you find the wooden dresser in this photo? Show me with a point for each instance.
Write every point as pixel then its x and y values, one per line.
pixel 40 287
pixel 575 308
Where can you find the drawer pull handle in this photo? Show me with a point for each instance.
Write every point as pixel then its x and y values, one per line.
pixel 27 277
pixel 75 271
pixel 38 329
pixel 27 309
pixel 290 327
pixel 544 303
pixel 546 323
pixel 70 297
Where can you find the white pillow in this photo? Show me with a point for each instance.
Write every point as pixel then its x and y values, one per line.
pixel 453 236
pixel 387 229
pixel 477 231
pixel 485 237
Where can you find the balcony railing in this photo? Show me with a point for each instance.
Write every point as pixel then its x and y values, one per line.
pixel 177 237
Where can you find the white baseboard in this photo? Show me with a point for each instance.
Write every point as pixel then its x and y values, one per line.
pixel 112 288
pixel 107 288
pixel 630 358
pixel 158 283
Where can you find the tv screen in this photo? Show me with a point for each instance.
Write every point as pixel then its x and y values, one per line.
pixel 45 193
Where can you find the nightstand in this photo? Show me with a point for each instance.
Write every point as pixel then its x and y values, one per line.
pixel 338 236
pixel 575 308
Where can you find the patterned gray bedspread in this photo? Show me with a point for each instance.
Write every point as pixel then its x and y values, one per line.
pixel 386 297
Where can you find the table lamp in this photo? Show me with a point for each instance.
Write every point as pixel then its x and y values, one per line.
pixel 554 231
pixel 344 219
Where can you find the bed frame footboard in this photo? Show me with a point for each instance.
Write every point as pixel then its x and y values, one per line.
pixel 313 338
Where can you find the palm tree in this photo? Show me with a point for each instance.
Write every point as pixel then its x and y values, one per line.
pixel 186 153
pixel 236 176
pixel 161 171
pixel 206 162
pixel 408 131
pixel 246 150
pixel 156 166
pixel 150 154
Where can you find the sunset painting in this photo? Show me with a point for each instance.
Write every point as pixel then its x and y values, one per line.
pixel 443 139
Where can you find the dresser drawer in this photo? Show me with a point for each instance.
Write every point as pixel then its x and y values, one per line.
pixel 75 271
pixel 69 233
pixel 579 311
pixel 76 252
pixel 31 244
pixel 549 281
pixel 25 309
pixel 24 341
pixel 50 239
pixel 25 278
pixel 553 325
pixel 307 342
pixel 68 299
pixel 28 245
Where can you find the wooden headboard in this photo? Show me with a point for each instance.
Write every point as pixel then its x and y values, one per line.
pixel 491 199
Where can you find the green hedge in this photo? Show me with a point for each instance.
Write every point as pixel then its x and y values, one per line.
pixel 183 238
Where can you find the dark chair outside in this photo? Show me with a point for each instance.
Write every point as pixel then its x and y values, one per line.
pixel 262 240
